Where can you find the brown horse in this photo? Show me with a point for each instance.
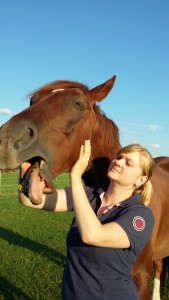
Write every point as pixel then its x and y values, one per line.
pixel 61 116
pixel 161 267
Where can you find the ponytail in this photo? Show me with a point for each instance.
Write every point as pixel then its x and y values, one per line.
pixel 146 192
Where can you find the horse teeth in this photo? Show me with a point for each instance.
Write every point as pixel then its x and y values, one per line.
pixel 41 163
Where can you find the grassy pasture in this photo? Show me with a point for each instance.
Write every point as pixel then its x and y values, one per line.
pixel 32 246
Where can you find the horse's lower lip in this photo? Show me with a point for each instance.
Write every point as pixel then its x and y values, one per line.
pixel 29 173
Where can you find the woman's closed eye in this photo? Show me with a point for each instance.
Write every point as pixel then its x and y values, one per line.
pixel 128 161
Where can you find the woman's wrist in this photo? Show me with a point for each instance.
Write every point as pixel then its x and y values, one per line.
pixel 75 179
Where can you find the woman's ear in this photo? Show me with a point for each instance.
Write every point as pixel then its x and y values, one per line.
pixel 140 181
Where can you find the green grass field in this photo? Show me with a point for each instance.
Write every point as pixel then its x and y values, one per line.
pixel 32 246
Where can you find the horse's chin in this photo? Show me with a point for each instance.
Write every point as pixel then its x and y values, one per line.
pixel 35 179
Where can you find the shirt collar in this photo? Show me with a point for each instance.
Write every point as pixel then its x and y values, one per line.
pixel 136 198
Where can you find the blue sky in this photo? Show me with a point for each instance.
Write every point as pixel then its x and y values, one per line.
pixel 90 41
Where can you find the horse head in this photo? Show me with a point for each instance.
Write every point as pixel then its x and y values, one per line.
pixel 49 133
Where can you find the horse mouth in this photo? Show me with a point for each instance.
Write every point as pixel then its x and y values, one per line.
pixel 35 179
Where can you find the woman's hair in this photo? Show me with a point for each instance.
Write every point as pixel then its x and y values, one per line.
pixel 147 166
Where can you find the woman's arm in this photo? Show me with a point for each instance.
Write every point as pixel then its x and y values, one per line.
pixel 91 230
pixel 52 202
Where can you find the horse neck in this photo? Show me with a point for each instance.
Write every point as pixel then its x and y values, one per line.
pixel 105 145
pixel 105 137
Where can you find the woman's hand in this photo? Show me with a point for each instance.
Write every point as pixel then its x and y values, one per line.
pixel 80 166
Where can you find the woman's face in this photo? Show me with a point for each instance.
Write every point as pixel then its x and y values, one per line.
pixel 126 170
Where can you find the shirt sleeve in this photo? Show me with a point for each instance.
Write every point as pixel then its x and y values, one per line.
pixel 68 190
pixel 138 224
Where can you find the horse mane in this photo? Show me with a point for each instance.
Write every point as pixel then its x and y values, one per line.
pixel 108 138
pixel 107 127
pixel 47 89
pixel 64 84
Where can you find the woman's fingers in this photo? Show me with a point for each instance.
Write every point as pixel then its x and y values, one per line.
pixel 85 152
pixel 82 163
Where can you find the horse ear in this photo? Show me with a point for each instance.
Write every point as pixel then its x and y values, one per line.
pixel 101 91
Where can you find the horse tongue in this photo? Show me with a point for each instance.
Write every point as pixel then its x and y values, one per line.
pixel 35 191
pixel 33 182
pixel 37 184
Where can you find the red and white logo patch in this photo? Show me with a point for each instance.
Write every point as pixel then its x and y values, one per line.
pixel 138 223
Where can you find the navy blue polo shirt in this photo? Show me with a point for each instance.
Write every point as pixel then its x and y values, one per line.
pixel 100 273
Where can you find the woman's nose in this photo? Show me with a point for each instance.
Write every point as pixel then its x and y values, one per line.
pixel 119 162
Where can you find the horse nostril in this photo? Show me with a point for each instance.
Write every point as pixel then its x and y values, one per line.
pixel 24 138
pixel 30 131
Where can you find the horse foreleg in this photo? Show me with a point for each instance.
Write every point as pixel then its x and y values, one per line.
pixel 156 289
pixel 158 266
pixel 142 275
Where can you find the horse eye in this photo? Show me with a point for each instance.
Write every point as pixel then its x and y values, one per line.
pixel 80 105
pixel 34 99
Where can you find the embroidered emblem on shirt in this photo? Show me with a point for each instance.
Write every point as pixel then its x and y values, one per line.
pixel 138 223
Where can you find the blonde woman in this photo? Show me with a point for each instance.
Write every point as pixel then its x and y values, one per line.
pixel 111 225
